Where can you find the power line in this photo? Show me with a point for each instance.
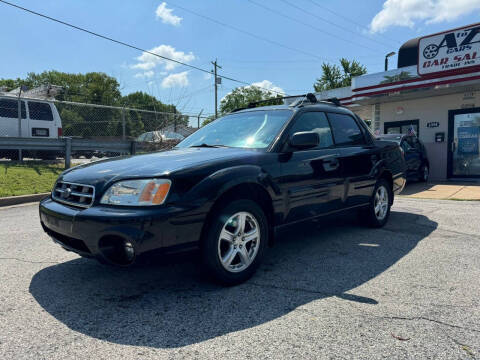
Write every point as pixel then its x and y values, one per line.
pixel 348 19
pixel 195 92
pixel 312 26
pixel 127 44
pixel 247 32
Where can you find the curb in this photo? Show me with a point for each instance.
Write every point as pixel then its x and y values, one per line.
pixel 22 199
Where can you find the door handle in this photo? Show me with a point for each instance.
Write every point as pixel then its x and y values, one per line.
pixel 331 164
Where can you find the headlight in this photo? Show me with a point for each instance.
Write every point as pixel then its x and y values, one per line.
pixel 146 192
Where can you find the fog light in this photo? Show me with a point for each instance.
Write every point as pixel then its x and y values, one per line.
pixel 129 250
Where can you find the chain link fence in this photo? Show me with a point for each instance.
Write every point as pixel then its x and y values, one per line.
pixel 153 130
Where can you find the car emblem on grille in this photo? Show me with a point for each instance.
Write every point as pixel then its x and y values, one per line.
pixel 66 193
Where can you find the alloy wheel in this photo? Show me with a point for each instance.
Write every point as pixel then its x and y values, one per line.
pixel 239 241
pixel 381 203
pixel 425 173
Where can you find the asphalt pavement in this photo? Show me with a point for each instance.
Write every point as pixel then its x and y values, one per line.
pixel 331 290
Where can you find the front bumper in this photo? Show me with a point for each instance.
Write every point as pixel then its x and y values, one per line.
pixel 163 228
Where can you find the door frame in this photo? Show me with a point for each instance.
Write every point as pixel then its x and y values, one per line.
pixel 401 123
pixel 451 117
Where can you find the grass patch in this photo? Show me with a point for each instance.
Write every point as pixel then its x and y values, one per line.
pixel 28 178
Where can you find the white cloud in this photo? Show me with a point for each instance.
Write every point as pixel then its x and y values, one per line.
pixel 268 85
pixel 165 14
pixel 145 75
pixel 407 12
pixel 176 80
pixel 148 61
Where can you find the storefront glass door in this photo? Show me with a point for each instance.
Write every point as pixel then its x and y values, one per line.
pixel 464 143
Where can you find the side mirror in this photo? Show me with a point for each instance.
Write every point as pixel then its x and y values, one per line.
pixel 304 140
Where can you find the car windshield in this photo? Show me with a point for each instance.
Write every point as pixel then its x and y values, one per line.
pixel 250 129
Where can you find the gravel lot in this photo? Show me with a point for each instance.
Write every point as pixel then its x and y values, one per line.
pixel 328 290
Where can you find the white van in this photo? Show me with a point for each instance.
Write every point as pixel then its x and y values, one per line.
pixel 40 119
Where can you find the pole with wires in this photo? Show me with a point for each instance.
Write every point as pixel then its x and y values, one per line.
pixel 217 81
pixel 198 119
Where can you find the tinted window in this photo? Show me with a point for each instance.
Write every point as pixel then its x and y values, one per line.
pixel 40 111
pixel 413 142
pixel 405 146
pixel 345 130
pixel 315 122
pixel 9 108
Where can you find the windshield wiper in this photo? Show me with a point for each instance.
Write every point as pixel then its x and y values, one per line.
pixel 210 145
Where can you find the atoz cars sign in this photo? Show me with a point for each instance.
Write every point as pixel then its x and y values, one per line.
pixel 452 50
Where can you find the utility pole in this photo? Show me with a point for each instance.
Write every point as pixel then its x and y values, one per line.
pixel 198 119
pixel 217 81
pixel 174 119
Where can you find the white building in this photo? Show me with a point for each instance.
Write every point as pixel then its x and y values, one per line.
pixel 435 90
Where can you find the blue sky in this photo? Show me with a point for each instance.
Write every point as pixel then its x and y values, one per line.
pixel 321 30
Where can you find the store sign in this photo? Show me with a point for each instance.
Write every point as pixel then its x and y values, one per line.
pixel 468 138
pixel 433 124
pixel 451 50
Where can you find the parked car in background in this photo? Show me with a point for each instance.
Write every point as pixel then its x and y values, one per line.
pixel 227 188
pixel 418 166
pixel 159 136
pixel 39 119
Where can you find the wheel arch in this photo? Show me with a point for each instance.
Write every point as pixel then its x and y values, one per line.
pixel 250 190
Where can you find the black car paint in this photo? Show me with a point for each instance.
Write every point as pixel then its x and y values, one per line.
pixel 415 153
pixel 300 185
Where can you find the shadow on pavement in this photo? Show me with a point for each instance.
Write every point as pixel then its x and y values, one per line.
pixel 172 305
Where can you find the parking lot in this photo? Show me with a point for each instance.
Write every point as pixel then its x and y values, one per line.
pixel 328 290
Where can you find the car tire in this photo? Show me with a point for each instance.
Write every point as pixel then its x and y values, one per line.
pixel 424 173
pixel 235 242
pixel 378 211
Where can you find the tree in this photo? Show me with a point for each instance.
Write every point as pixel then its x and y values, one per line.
pixel 240 97
pixel 100 88
pixel 208 120
pixel 334 77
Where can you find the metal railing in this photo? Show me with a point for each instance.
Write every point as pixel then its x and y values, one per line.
pixel 68 146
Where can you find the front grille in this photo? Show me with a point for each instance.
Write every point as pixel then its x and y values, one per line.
pixel 74 194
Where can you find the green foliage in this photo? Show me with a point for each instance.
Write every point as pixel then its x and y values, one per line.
pixel 208 120
pixel 27 178
pixel 100 88
pixel 334 77
pixel 240 97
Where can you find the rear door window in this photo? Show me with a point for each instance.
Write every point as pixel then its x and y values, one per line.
pixel 346 131
pixel 40 111
pixel 9 108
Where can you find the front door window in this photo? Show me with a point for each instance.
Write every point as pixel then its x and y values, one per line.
pixel 466 144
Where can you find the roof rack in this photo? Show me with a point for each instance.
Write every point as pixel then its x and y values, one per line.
pixel 334 101
pixel 305 98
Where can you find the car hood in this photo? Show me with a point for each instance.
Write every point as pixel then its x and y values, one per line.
pixel 151 165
